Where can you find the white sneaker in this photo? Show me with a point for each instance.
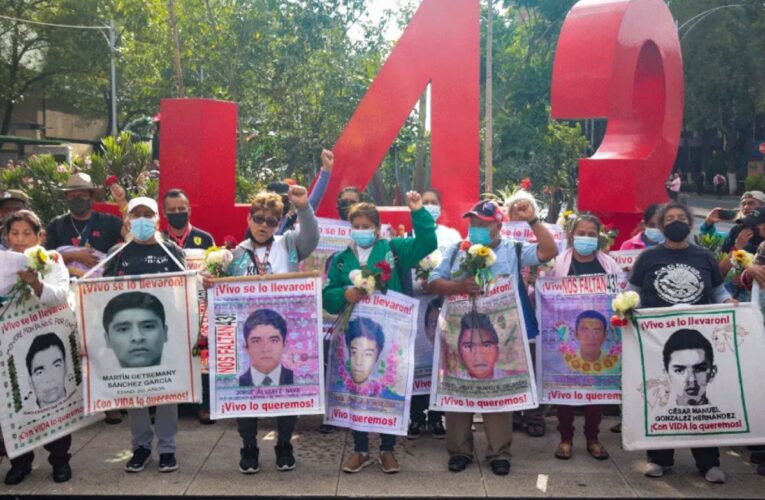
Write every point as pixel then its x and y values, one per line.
pixel 715 475
pixel 654 470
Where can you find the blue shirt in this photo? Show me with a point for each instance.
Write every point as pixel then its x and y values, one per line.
pixel 506 260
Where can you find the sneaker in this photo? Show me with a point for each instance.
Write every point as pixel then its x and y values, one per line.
pixel 141 457
pixel 388 462
pixel 285 460
pixel 458 463
pixel 757 457
pixel 654 470
pixel 715 475
pixel 415 430
pixel 248 463
pixel 500 466
pixel 204 417
pixel 761 469
pixel 167 462
pixel 113 417
pixel 326 429
pixel 16 475
pixel 356 462
pixel 62 473
pixel 438 429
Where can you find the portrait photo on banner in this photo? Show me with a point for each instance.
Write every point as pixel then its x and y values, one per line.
pixel 579 352
pixel 138 335
pixel 266 352
pixel 698 373
pixel 483 356
pixel 427 321
pixel 370 367
pixel 41 376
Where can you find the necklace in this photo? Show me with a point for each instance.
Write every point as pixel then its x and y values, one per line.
pixel 182 240
pixel 79 232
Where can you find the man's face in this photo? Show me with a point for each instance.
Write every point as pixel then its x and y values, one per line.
pixel 11 205
pixel 590 333
pixel 49 376
pixel 264 347
pixel 177 205
pixel 749 205
pixel 494 227
pixel 479 351
pixel 364 353
pixel 689 373
pixel 137 337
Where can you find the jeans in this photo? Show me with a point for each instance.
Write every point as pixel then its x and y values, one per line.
pixel 248 430
pixel 361 442
pixel 593 414
pixel 418 408
pixel 165 427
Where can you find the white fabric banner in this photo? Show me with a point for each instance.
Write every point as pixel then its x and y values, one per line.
pixel 693 377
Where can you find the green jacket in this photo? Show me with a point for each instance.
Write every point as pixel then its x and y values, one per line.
pixel 405 253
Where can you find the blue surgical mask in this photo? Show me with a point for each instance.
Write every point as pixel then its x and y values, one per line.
pixel 479 235
pixel 654 235
pixel 143 228
pixel 363 237
pixel 585 245
pixel 433 210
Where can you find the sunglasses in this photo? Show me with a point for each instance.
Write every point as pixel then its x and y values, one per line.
pixel 260 220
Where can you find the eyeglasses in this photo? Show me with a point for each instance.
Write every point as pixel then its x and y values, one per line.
pixel 260 220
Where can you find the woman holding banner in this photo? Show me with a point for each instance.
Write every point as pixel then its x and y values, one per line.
pixel 146 253
pixel 368 249
pixel 677 272
pixel 22 231
pixel 584 257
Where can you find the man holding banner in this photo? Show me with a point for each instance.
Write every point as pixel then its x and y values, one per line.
pixel 485 226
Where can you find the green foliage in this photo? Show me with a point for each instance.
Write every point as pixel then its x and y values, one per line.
pixel 74 350
pixel 15 390
pixel 122 156
pixel 755 183
pixel 39 177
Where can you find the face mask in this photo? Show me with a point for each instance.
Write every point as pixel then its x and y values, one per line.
pixel 585 245
pixel 78 206
pixel 142 228
pixel 178 220
pixel 433 210
pixel 677 231
pixel 364 238
pixel 654 234
pixel 479 235
pixel 343 206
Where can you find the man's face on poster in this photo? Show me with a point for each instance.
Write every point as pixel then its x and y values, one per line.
pixel 590 334
pixel 430 324
pixel 264 347
pixel 364 353
pixel 137 337
pixel 479 352
pixel 48 374
pixel 689 373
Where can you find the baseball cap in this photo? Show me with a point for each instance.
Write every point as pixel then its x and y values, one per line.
pixel 14 194
pixel 757 195
pixel 487 210
pixel 143 201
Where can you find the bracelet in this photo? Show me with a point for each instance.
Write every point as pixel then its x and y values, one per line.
pixel 533 221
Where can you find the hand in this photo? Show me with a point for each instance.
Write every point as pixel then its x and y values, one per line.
pixel 757 273
pixel 207 280
pixel 731 301
pixel 468 286
pixel 298 196
pixel 32 278
pixel 713 217
pixel 523 210
pixel 327 160
pixel 85 256
pixel 737 281
pixel 354 295
pixel 743 238
pixel 414 200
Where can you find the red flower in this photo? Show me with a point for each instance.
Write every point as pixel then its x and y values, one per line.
pixel 291 182
pixel 112 179
pixel 526 183
pixel 229 242
pixel 385 271
pixel 616 320
pixel 464 245
pixel 204 354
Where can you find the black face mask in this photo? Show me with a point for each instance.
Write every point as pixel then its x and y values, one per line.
pixel 343 207
pixel 677 231
pixel 178 220
pixel 79 206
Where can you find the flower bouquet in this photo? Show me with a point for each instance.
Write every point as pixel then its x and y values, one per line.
pixel 624 306
pixel 217 259
pixel 426 265
pixel 368 281
pixel 740 260
pixel 478 259
pixel 37 259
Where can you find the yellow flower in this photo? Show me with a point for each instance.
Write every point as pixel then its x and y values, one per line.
pixel 42 255
pixel 568 213
pixel 483 252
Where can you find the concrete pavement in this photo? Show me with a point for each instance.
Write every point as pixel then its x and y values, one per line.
pixel 209 455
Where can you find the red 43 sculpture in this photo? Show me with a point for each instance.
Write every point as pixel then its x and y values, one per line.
pixel 618 60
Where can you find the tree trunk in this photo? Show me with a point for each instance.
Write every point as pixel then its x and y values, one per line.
pixel 5 126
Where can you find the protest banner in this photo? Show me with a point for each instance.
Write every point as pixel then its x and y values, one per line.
pixel 334 236
pixel 195 261
pixel 138 333
pixel 483 361
pixel 521 231
pixel 41 395
pixel 266 357
pixel 625 258
pixel 579 362
pixel 425 337
pixel 371 365
pixel 692 377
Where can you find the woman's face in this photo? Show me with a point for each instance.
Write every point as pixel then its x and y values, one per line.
pixel 263 224
pixel 21 236
pixel 674 214
pixel 586 228
pixel 653 221
pixel 363 222
pixel 430 198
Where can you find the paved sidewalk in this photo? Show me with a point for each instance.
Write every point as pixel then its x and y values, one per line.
pixel 208 457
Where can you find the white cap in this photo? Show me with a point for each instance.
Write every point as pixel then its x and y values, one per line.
pixel 143 201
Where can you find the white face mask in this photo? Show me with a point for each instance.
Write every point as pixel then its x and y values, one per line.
pixel 433 210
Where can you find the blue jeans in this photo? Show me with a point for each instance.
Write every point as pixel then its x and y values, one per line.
pixel 361 442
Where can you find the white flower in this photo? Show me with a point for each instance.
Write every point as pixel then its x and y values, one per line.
pixel 431 261
pixel 632 298
pixel 474 249
pixel 39 259
pixel 356 278
pixel 491 259
pixel 222 258
pixel 369 285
